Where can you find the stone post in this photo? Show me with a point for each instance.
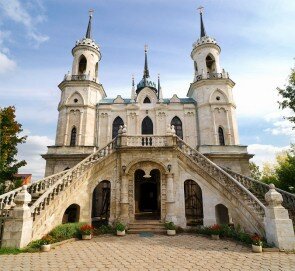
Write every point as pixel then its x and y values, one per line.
pixel 124 199
pixel 170 215
pixel 278 225
pixel 18 228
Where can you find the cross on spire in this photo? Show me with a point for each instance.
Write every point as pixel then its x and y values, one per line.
pixel 88 32
pixel 203 32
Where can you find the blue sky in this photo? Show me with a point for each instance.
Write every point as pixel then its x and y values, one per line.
pixel 256 38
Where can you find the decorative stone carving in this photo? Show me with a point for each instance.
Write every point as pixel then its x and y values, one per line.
pixel 273 198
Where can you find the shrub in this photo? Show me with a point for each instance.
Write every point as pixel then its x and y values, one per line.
pixel 256 240
pixel 66 231
pixel 170 226
pixel 105 229
pixel 46 240
pixel 215 229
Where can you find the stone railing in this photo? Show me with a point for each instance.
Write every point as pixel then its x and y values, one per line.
pixel 213 75
pixel 35 189
pixel 260 189
pixel 72 175
pixel 255 207
pixel 145 141
pixel 79 77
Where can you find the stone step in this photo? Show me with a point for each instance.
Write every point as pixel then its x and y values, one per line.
pixel 146 226
pixel 137 231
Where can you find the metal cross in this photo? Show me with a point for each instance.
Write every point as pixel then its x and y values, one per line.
pixel 201 9
pixel 91 12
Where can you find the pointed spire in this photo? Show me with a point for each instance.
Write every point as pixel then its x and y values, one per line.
pixel 146 73
pixel 88 32
pixel 203 32
pixel 160 94
pixel 133 95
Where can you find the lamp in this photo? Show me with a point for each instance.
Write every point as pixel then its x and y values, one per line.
pixel 124 168
pixel 169 166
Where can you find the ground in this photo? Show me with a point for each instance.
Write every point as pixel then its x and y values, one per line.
pixel 158 252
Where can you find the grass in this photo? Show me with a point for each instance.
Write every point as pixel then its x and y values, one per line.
pixel 9 250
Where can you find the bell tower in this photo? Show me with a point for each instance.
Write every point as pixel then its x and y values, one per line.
pixel 212 90
pixel 80 93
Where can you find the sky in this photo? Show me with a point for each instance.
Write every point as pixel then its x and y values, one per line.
pixel 257 49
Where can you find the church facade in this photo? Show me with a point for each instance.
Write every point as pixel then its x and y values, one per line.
pixel 205 120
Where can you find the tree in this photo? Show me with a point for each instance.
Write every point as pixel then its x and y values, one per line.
pixel 282 173
pixel 255 172
pixel 10 137
pixel 288 95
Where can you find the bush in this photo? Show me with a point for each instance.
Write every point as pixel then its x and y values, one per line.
pixel 120 227
pixel 105 229
pixel 66 231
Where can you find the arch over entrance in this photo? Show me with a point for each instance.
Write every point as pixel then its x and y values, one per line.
pixel 147 194
pixel 72 214
pixel 147 126
pixel 221 213
pixel 193 203
pixel 177 126
pixel 116 126
pixel 101 199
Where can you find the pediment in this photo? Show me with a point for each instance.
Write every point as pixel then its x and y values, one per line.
pixel 174 99
pixel 118 100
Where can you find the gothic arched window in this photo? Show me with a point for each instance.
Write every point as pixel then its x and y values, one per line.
pixel 221 136
pixel 73 137
pixel 210 63
pixel 96 70
pixel 147 126
pixel 116 126
pixel 177 126
pixel 146 100
pixel 82 65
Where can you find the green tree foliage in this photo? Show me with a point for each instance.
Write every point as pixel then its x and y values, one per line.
pixel 288 95
pixel 10 137
pixel 255 172
pixel 282 173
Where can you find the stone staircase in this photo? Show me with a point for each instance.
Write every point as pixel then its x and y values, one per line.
pixel 140 226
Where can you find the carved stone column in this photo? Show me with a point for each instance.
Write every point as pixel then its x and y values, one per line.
pixel 124 215
pixel 170 202
pixel 278 225
pixel 18 228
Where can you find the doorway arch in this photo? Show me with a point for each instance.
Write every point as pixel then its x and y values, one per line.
pixel 101 199
pixel 147 194
pixel 71 214
pixel 193 203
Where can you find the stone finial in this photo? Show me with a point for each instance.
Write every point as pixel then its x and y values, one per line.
pixel 120 131
pixel 124 130
pixel 273 197
pixel 23 198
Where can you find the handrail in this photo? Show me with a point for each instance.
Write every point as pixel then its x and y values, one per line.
pixel 7 199
pixel 180 144
pixel 76 171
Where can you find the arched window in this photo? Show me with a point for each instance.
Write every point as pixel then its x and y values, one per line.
pixel 116 126
pixel 147 126
pixel 177 126
pixel 221 136
pixel 73 136
pixel 146 100
pixel 210 63
pixel 82 65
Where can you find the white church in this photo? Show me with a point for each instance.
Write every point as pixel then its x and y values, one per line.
pixel 146 159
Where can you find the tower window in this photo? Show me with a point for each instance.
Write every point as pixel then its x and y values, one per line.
pixel 75 101
pixel 147 126
pixel 146 100
pixel 210 63
pixel 218 98
pixel 177 126
pixel 73 137
pixel 82 65
pixel 221 136
pixel 116 126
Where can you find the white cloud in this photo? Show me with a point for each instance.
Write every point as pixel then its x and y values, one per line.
pixel 265 153
pixel 6 64
pixel 18 12
pixel 31 152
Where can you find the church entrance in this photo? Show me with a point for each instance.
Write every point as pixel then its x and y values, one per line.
pixel 147 195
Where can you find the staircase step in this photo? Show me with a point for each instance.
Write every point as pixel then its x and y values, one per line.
pixel 148 226
pixel 137 231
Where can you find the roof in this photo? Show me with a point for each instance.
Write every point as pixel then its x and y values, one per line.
pixel 128 101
